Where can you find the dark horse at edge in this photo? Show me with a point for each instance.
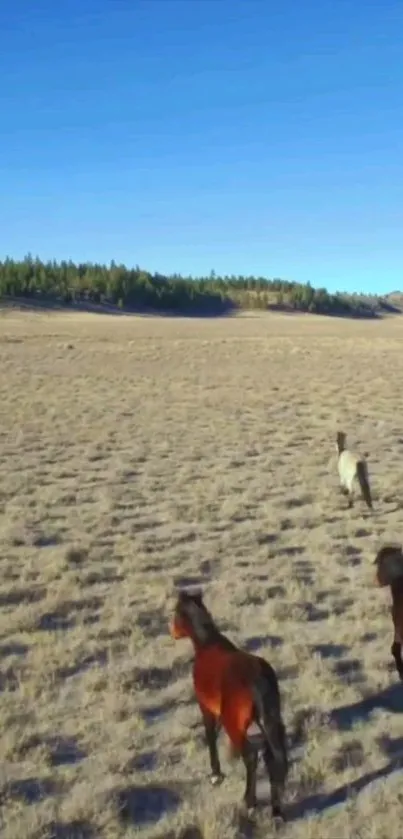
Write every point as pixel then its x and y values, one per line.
pixel 389 572
pixel 234 689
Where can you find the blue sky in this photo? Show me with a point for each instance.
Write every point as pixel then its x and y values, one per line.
pixel 244 136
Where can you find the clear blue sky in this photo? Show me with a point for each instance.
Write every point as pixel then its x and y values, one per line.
pixel 244 136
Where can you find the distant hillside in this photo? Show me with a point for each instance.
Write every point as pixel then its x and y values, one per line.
pixel 387 304
pixel 65 283
pixel 395 299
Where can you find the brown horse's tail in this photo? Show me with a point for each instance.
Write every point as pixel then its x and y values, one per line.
pixel 268 717
pixel 364 483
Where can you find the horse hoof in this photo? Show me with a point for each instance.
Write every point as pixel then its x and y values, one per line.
pixel 250 807
pixel 215 780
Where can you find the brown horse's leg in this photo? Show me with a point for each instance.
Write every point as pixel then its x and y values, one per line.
pixel 276 782
pixel 396 651
pixel 236 715
pixel 397 617
pixel 250 756
pixel 211 727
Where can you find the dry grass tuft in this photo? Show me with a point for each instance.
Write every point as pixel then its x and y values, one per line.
pixel 138 454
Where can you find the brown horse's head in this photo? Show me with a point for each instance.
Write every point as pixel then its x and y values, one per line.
pixel 182 623
pixel 191 619
pixel 389 565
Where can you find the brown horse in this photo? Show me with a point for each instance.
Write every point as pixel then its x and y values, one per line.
pixel 234 689
pixel 389 572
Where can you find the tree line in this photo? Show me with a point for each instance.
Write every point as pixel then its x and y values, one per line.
pixel 66 282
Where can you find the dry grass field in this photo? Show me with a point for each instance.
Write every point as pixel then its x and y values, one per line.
pixel 137 453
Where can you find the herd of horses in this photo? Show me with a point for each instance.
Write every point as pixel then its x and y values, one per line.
pixel 239 691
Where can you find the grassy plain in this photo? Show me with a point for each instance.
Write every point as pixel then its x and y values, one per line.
pixel 136 453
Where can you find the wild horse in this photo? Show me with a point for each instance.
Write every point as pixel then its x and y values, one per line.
pixel 234 689
pixel 389 572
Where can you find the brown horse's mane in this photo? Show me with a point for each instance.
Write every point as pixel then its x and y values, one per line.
pixel 205 630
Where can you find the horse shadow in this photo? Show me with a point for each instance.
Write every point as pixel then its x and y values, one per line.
pixel 390 700
pixel 345 718
pixel 321 802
